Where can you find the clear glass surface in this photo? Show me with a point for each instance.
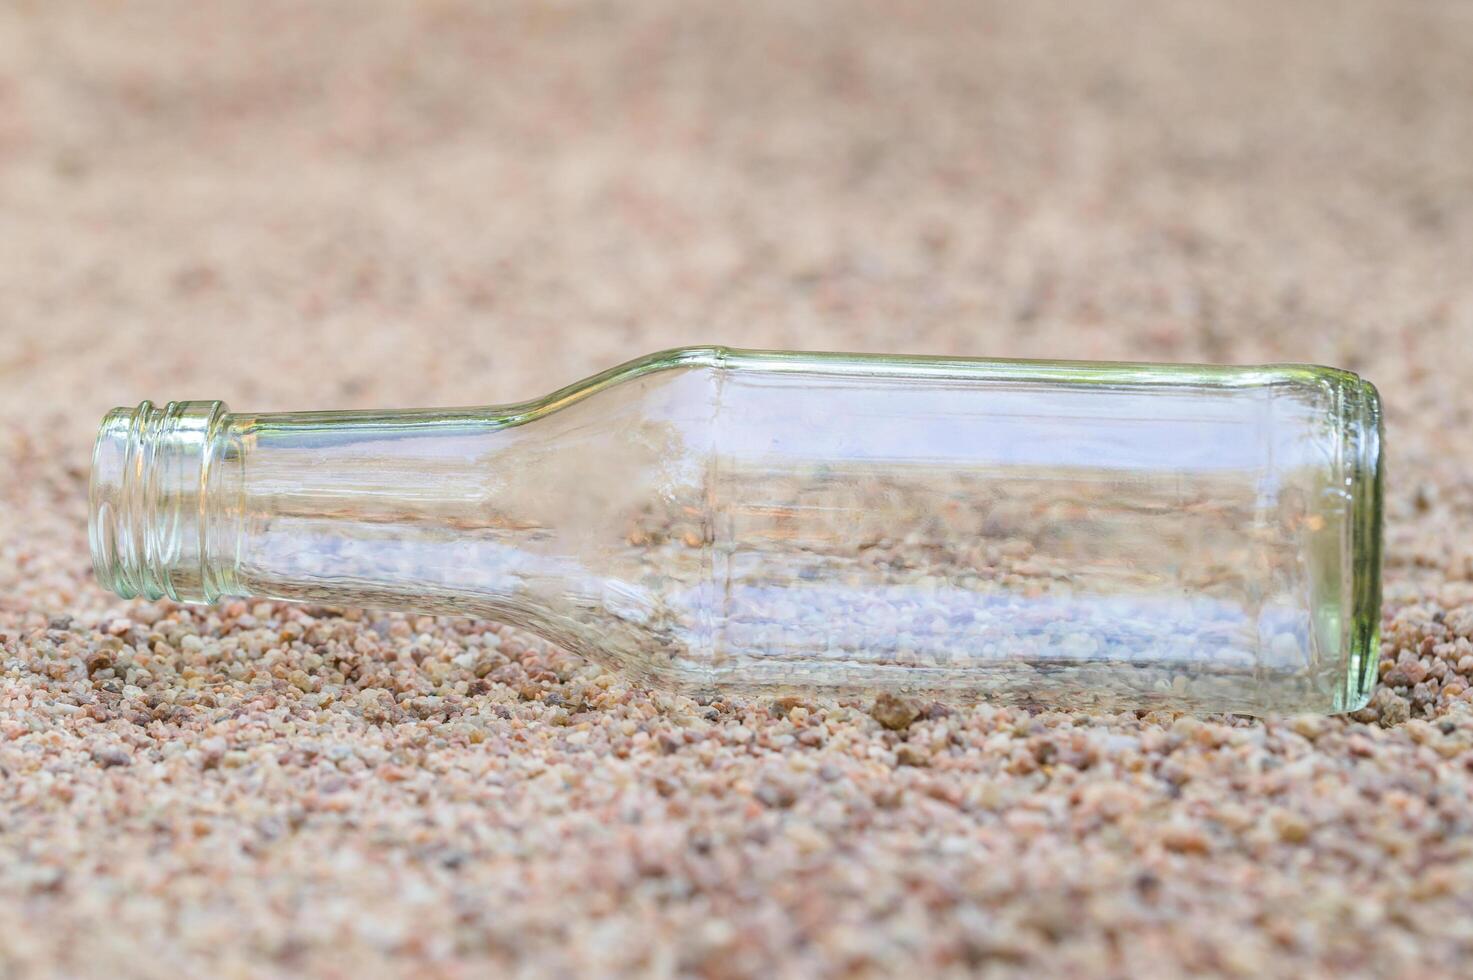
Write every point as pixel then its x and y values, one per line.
pixel 1077 535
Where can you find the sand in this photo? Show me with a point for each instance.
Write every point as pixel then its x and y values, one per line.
pixel 353 205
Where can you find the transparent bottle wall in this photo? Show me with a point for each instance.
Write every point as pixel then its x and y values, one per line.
pixel 1084 536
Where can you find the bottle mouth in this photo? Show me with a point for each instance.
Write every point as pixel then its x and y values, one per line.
pixel 146 523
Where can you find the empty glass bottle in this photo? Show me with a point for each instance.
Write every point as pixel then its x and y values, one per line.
pixel 710 520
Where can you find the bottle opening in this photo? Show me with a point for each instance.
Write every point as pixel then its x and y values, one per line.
pixel 150 473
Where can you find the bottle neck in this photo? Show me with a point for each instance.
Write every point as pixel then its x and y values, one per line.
pixel 155 526
pixel 192 502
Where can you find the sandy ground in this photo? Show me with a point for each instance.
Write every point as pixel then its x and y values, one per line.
pixel 363 204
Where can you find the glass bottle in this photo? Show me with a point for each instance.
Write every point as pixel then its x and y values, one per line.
pixel 709 520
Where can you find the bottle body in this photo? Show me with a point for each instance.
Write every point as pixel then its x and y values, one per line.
pixel 1083 536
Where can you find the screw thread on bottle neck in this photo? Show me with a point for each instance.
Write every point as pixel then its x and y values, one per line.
pixel 149 524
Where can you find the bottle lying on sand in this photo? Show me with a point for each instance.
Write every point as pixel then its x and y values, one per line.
pixel 1082 536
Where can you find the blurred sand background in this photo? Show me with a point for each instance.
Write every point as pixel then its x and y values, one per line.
pixel 377 204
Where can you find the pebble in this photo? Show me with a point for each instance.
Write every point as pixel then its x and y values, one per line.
pixel 1310 726
pixel 895 712
pixel 912 755
pixel 777 793
pixel 110 756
